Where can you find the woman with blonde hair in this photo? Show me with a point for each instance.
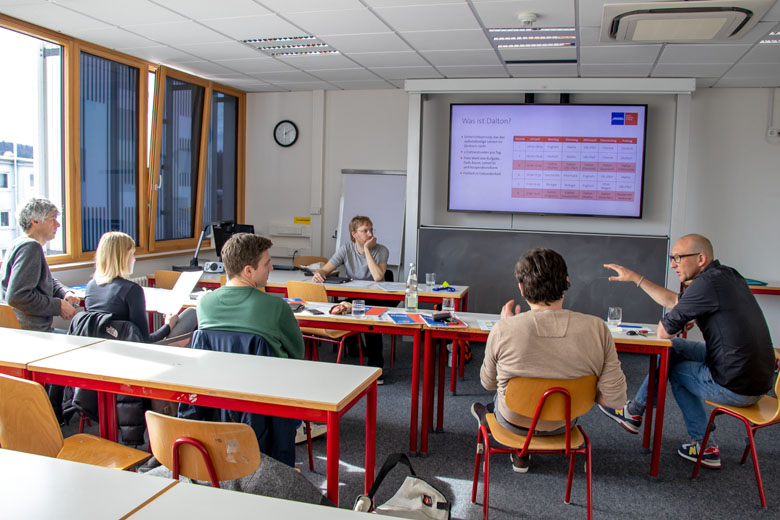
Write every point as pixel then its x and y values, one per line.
pixel 110 290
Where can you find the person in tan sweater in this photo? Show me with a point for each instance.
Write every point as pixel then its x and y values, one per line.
pixel 546 342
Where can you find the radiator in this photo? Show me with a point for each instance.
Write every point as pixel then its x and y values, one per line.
pixel 141 280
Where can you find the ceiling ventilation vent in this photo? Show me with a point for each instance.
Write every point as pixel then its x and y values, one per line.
pixel 675 21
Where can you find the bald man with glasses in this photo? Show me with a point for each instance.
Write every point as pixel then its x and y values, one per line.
pixel 734 365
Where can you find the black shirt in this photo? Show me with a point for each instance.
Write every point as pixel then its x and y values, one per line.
pixel 739 347
pixel 125 300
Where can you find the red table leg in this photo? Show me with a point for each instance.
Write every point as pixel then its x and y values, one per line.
pixel 650 400
pixel 332 453
pixel 370 438
pixel 663 375
pixel 107 415
pixel 415 392
pixel 427 406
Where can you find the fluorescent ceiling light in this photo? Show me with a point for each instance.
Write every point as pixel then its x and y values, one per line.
pixel 503 38
pixel 292 46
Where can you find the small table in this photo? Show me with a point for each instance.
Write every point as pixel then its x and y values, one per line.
pixel 33 486
pixel 266 385
pixel 650 345
pixel 18 348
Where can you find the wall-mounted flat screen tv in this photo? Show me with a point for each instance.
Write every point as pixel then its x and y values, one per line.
pixel 547 159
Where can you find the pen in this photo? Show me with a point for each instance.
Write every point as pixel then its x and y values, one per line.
pixel 622 326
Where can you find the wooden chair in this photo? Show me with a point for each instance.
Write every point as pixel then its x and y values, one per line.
pixel 315 292
pixel 300 261
pixel 545 399
pixel 765 412
pixel 28 424
pixel 166 279
pixel 203 450
pixel 8 317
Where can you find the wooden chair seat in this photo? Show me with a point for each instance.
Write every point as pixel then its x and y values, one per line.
pixel 330 333
pixel 763 412
pixel 300 261
pixel 166 279
pixel 88 449
pixel 542 443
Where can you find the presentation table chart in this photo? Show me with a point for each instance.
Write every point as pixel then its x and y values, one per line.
pixel 33 486
pixel 290 388
pixel 380 325
pixel 196 502
pixel 649 345
pixel 19 348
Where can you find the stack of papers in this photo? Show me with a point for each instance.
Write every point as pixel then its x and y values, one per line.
pixel 170 301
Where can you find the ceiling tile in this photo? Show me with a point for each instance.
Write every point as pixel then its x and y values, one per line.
pixel 504 13
pixel 160 54
pixel 221 51
pixel 453 40
pixel 122 13
pixel 306 85
pixel 689 70
pixel 359 85
pixel 756 33
pixel 388 59
pixel 318 61
pixel 302 6
pixel 474 71
pixel 558 70
pixel 749 82
pixel 539 53
pixel 178 33
pixel 200 68
pixel 377 42
pixel 114 38
pixel 205 9
pixel 757 70
pixel 287 76
pixel 344 75
pixel 462 57
pixel 396 3
pixel 773 15
pixel 262 64
pixel 352 21
pixel 763 53
pixel 705 82
pixel 252 27
pixel 702 53
pixel 54 17
pixel 397 82
pixel 400 73
pixel 619 53
pixel 429 17
pixel 615 70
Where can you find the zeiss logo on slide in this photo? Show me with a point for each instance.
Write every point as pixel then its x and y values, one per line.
pixel 625 118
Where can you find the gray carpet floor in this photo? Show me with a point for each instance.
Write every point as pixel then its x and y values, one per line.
pixel 622 486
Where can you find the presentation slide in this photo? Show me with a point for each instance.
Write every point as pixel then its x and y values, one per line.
pixel 547 159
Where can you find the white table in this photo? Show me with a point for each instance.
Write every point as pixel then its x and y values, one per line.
pixel 18 348
pixel 207 503
pixel 36 487
pixel 280 387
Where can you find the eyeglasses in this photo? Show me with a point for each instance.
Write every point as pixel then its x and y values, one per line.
pixel 676 258
pixel 364 231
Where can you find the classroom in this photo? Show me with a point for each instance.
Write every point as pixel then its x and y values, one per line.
pixel 378 100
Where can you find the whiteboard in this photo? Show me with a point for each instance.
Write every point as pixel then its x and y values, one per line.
pixel 381 196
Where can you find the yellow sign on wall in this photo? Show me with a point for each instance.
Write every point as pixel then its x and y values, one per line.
pixel 306 221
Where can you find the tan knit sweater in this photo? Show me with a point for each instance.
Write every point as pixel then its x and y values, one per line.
pixel 556 344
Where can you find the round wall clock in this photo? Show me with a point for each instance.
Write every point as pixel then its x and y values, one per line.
pixel 285 133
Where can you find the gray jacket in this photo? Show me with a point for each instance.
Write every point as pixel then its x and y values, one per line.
pixel 26 284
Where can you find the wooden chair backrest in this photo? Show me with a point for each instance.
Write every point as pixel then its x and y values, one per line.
pixel 8 317
pixel 27 420
pixel 233 447
pixel 222 280
pixel 307 291
pixel 523 395
pixel 299 261
pixel 166 279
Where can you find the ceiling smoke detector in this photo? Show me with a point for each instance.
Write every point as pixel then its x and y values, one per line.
pixel 527 19
pixel 686 21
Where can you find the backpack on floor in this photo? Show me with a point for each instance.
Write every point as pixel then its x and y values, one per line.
pixel 415 499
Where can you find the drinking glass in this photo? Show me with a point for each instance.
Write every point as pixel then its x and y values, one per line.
pixel 614 316
pixel 448 304
pixel 430 279
pixel 358 308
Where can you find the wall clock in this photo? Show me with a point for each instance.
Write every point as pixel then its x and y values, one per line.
pixel 285 133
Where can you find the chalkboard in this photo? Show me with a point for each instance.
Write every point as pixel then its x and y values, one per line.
pixel 485 261
pixel 379 195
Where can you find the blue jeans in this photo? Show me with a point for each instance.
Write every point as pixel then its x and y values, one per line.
pixel 692 383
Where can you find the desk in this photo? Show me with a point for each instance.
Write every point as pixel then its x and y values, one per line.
pixel 18 348
pixel 281 387
pixel 32 486
pixel 770 288
pixel 373 324
pixel 207 503
pixel 643 345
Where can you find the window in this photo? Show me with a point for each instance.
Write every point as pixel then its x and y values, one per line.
pixel 32 125
pixel 3 180
pixel 179 160
pixel 5 220
pixel 221 167
pixel 109 149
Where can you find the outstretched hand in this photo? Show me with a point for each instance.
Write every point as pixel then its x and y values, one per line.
pixel 510 309
pixel 623 274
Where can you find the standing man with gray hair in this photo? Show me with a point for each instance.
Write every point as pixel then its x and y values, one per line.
pixel 26 283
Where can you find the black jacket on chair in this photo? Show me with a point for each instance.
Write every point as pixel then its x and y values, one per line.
pixel 276 435
pixel 130 409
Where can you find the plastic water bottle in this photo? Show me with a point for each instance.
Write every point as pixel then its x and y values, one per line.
pixel 411 289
